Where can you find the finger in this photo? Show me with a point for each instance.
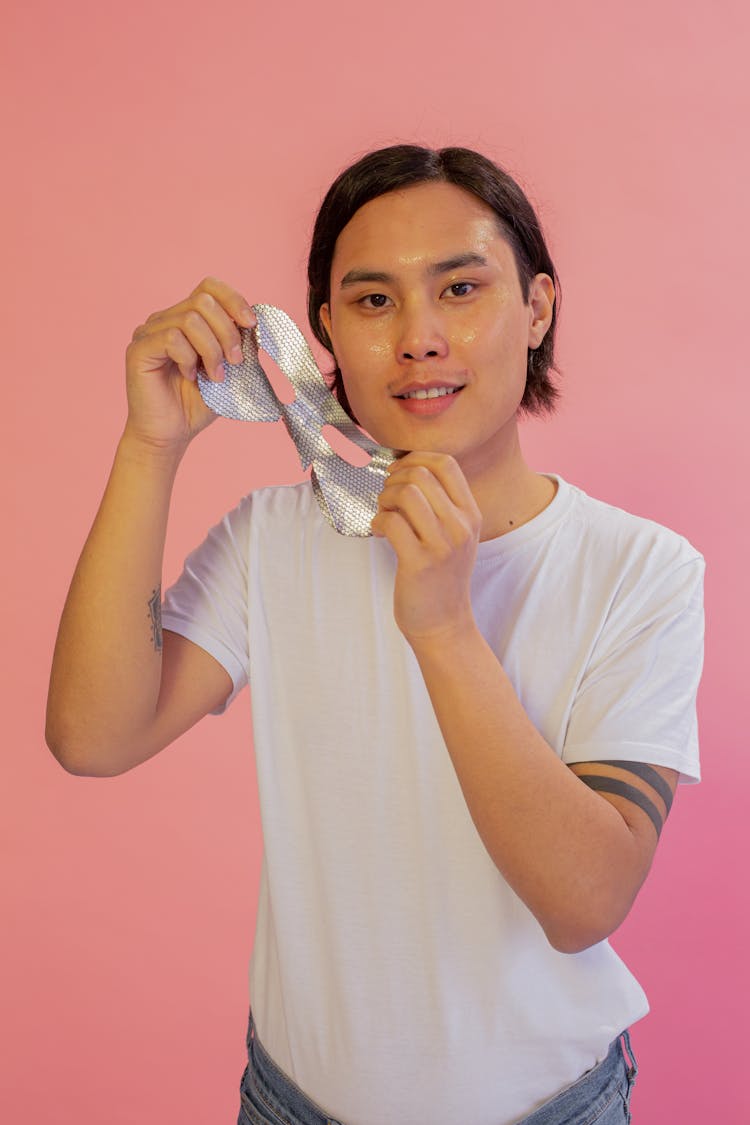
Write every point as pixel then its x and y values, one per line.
pixel 422 503
pixel 394 527
pixel 445 469
pixel 224 310
pixel 425 480
pixel 203 328
pixel 170 344
pixel 233 303
pixel 224 317
pixel 206 343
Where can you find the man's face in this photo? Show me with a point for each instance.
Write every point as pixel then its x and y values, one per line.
pixel 425 295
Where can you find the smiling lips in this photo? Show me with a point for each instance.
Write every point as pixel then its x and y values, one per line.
pixel 431 392
pixel 428 399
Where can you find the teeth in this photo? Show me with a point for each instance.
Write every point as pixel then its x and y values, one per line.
pixel 434 392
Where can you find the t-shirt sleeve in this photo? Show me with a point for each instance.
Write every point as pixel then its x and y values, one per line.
pixel 637 698
pixel 208 603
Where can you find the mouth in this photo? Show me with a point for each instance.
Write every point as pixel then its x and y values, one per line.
pixel 434 389
pixel 429 392
pixel 428 402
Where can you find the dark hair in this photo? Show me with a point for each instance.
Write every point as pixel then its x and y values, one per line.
pixel 400 166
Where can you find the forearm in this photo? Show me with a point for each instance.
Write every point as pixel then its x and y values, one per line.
pixel 567 853
pixel 106 670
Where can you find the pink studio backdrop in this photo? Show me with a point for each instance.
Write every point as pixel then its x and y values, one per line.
pixel 151 144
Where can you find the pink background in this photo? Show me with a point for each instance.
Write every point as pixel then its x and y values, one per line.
pixel 152 144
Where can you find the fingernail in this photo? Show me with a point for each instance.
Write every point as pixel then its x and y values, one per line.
pixel 219 373
pixel 247 316
pixel 236 354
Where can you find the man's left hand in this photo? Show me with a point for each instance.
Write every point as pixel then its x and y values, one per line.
pixel 429 516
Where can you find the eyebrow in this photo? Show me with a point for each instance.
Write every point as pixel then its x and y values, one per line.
pixel 457 262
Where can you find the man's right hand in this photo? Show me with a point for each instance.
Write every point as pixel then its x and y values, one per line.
pixel 165 408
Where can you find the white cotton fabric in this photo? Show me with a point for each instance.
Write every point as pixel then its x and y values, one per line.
pixel 395 976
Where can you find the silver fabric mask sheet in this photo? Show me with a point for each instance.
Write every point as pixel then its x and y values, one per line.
pixel 347 494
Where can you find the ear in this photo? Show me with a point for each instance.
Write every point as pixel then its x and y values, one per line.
pixel 325 318
pixel 541 303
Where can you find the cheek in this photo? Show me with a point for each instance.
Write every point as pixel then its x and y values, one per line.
pixel 503 336
pixel 466 337
pixel 361 355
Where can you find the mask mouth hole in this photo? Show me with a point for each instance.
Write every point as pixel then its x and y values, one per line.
pixel 282 387
pixel 346 449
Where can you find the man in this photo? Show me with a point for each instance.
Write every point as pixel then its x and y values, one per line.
pixel 468 728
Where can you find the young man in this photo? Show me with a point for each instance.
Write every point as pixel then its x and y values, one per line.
pixel 468 727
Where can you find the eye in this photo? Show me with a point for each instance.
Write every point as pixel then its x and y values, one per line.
pixel 378 301
pixel 461 288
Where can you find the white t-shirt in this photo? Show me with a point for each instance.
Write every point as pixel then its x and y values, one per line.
pixel 395 976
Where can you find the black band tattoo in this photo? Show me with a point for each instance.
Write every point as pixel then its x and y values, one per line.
pixel 649 774
pixel 622 789
pixel 154 610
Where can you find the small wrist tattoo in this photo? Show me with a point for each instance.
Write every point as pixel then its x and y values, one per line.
pixel 154 612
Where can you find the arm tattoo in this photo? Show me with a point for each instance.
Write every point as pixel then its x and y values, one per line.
pixel 154 611
pixel 629 792
pixel 649 774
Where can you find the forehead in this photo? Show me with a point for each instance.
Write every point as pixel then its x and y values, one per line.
pixel 410 227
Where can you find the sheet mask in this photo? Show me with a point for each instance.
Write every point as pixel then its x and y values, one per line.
pixel 347 494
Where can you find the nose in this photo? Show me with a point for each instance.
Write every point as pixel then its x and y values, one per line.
pixel 420 335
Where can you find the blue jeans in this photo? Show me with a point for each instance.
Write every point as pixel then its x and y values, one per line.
pixel 599 1097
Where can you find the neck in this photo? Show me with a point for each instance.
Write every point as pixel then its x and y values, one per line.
pixel 509 493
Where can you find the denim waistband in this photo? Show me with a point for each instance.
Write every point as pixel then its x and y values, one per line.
pixel 270 1096
pixel 266 1088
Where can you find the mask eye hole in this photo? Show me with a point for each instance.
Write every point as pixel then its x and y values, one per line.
pixel 347 450
pixel 282 387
